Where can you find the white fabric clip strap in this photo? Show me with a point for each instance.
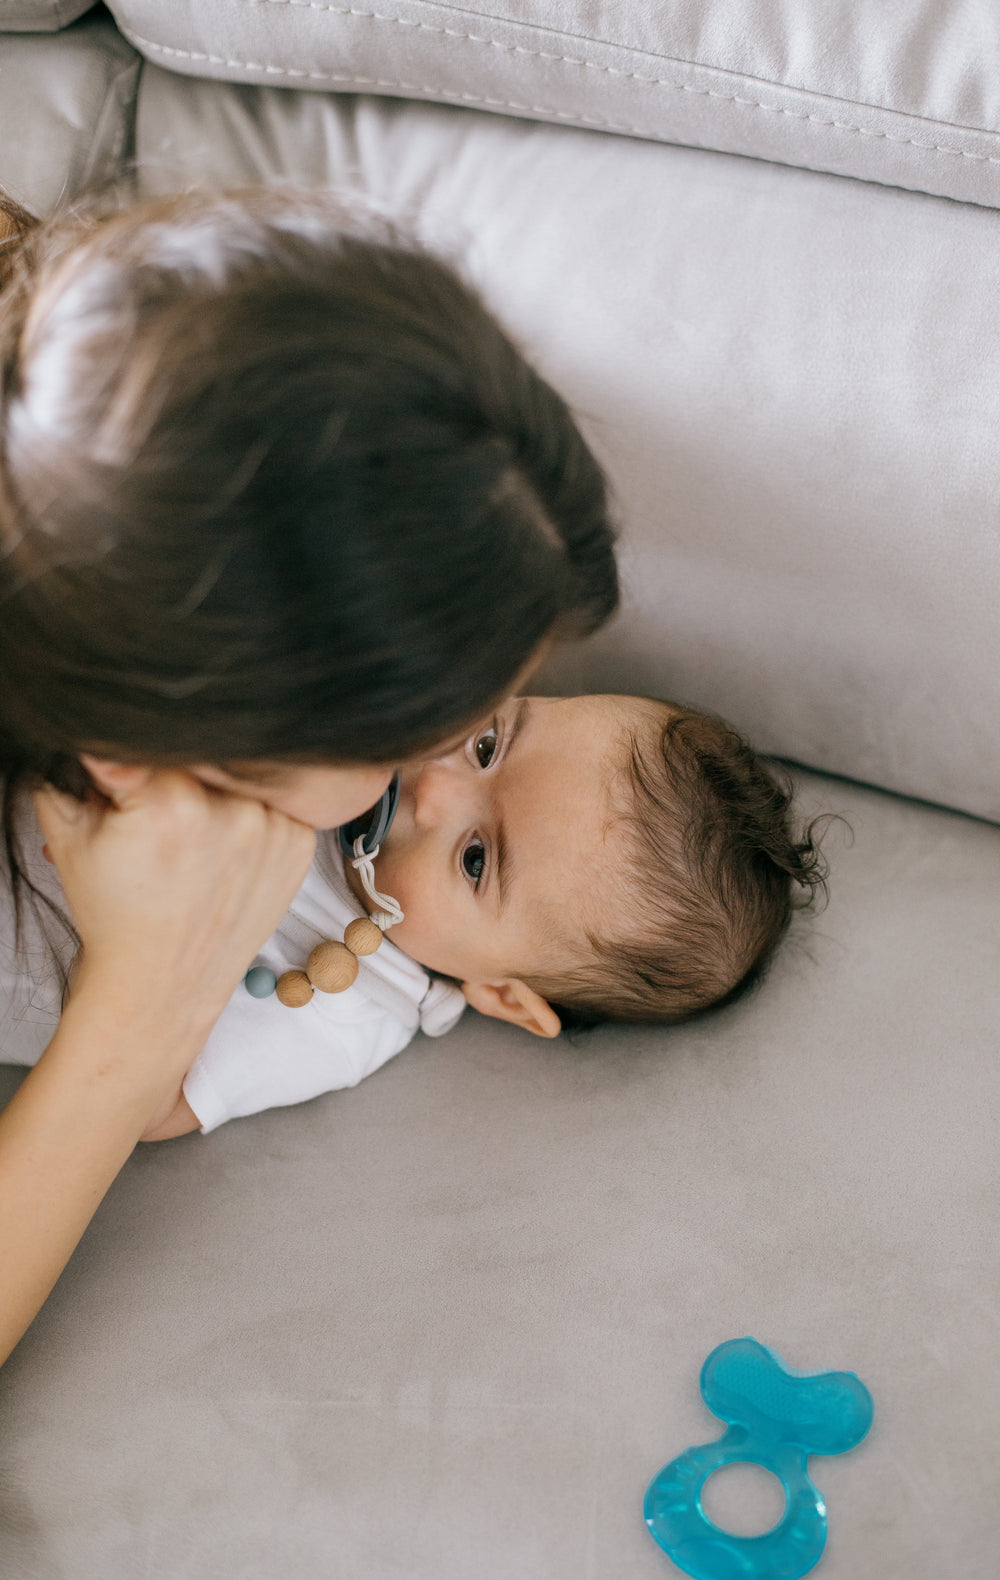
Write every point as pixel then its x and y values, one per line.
pixel 389 912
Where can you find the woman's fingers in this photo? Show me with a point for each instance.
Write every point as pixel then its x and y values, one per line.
pixel 115 780
pixel 174 891
pixel 61 818
pixel 55 809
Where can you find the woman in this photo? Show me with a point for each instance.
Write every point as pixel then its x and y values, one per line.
pixel 281 506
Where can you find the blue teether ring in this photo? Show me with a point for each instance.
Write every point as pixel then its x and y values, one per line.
pixel 776 1417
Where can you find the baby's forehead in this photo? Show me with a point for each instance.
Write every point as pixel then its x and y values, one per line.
pixel 610 716
pixel 589 858
pixel 592 743
pixel 626 729
pixel 578 788
pixel 628 745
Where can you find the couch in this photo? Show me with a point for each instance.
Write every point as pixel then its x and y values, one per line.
pixel 449 1324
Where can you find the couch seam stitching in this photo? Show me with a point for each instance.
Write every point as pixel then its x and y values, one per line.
pixel 537 109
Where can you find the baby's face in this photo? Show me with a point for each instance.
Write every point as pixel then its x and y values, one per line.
pixel 504 846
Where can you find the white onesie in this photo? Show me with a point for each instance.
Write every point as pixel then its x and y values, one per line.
pixel 260 1054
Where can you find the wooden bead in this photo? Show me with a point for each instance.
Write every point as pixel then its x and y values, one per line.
pixel 363 936
pixel 294 989
pixel 331 967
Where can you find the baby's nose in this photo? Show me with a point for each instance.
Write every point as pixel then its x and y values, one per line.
pixel 440 793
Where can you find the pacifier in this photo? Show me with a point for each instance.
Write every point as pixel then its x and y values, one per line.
pixel 372 826
pixel 776 1417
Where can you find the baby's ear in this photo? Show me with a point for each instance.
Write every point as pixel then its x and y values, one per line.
pixel 510 999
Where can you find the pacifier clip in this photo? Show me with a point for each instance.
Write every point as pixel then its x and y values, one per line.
pixel 332 967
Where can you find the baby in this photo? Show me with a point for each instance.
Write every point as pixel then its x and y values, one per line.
pixel 574 860
pixel 594 858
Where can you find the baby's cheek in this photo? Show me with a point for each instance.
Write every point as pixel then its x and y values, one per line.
pixel 427 936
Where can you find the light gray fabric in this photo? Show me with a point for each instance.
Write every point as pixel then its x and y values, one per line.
pixel 907 95
pixel 447 1326
pixel 793 380
pixel 66 108
pixel 40 16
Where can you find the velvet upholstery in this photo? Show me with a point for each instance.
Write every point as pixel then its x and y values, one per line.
pixel 908 96
pixel 448 1325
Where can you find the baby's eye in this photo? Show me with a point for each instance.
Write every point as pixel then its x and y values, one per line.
pixel 486 746
pixel 474 860
pixel 483 747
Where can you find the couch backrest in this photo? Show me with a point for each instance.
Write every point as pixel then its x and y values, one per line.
pixel 908 95
pixel 794 382
pixel 40 16
pixel 67 105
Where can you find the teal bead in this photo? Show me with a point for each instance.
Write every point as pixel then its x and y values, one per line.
pixel 260 982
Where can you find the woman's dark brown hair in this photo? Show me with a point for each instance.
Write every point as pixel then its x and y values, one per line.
pixel 274 485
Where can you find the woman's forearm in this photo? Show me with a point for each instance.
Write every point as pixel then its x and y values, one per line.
pixel 172 891
pixel 67 1132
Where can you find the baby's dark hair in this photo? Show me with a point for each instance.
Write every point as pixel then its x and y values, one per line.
pixel 716 868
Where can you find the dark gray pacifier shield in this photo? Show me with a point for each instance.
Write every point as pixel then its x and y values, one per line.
pixel 372 825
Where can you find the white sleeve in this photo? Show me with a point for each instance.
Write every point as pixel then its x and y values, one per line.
pixel 263 1055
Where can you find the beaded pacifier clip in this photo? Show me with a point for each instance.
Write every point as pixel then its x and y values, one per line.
pixel 332 966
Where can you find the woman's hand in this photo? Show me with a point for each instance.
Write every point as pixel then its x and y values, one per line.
pixel 172 891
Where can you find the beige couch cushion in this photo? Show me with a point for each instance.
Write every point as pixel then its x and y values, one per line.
pixel 794 382
pixel 40 16
pixel 66 108
pixel 910 97
pixel 448 1325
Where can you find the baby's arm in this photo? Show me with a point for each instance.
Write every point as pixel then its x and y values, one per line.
pixel 262 1055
